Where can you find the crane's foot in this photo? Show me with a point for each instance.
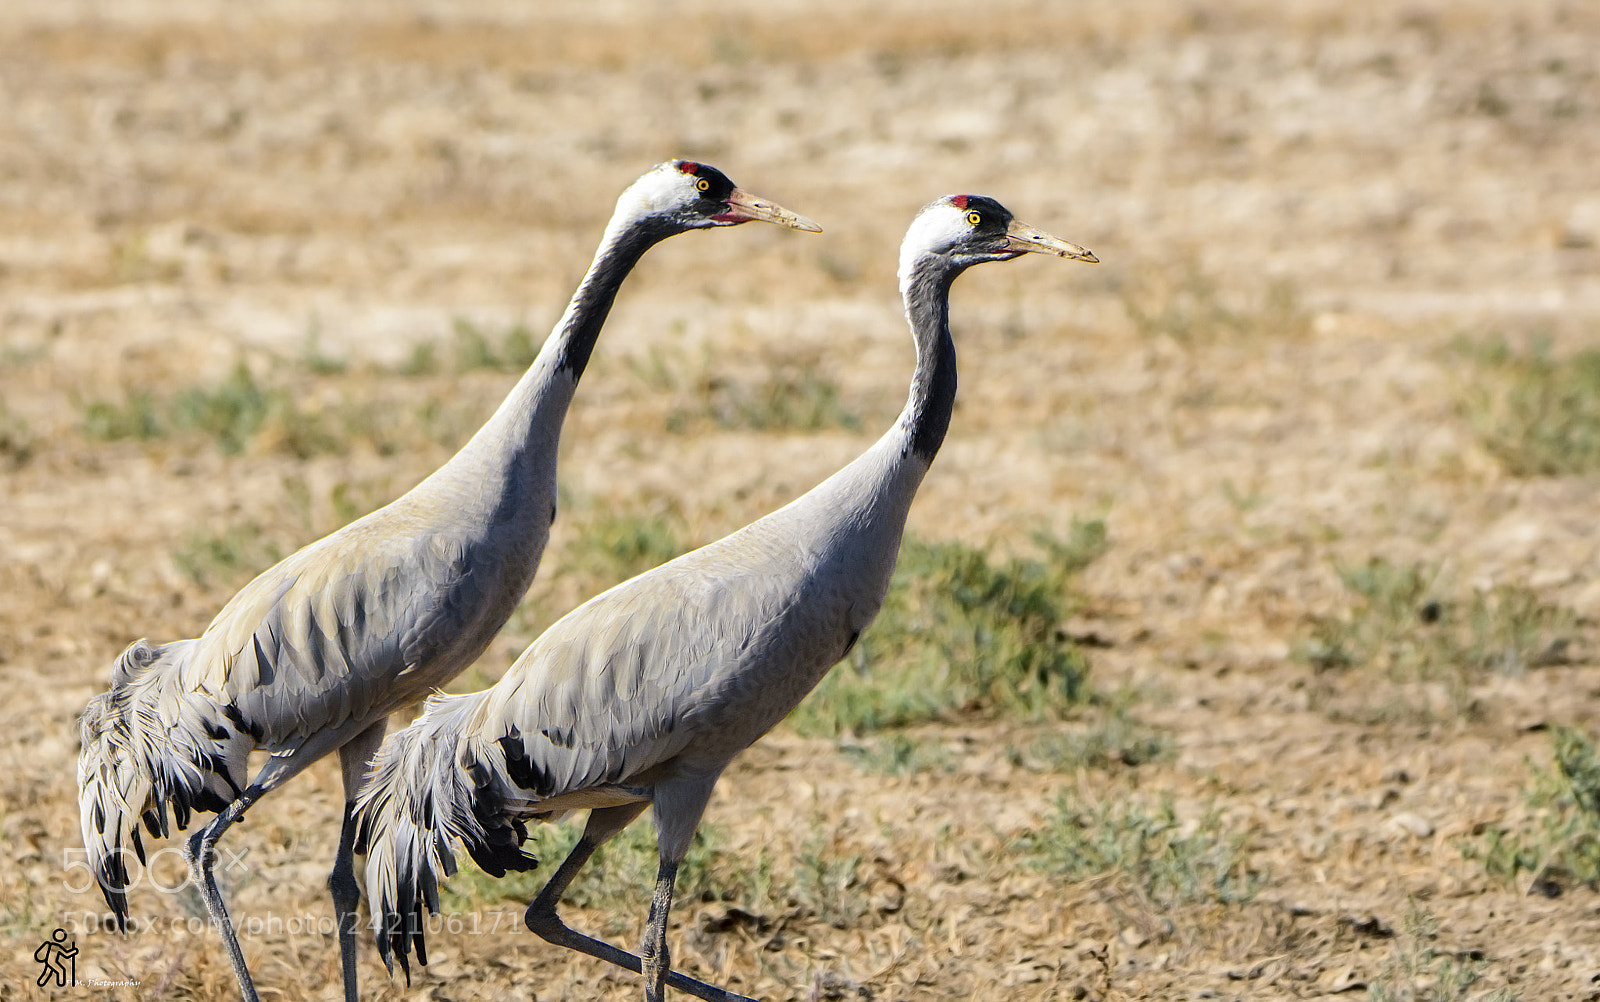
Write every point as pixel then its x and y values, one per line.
pixel 547 925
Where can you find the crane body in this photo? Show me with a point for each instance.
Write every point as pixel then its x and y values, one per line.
pixel 642 696
pixel 315 653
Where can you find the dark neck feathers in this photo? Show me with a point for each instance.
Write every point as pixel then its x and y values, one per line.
pixel 591 304
pixel 933 385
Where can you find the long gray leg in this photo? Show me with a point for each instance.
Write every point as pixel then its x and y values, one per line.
pixel 201 852
pixel 542 919
pixel 355 758
pixel 346 896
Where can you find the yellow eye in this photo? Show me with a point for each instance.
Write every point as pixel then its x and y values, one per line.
pixel 703 184
pixel 974 218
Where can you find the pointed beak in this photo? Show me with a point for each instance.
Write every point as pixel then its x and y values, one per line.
pixel 744 207
pixel 1023 238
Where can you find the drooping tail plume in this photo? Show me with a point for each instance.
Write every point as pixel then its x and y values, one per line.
pixel 426 790
pixel 149 746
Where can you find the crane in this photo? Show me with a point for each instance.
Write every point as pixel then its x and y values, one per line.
pixel 642 696
pixel 315 653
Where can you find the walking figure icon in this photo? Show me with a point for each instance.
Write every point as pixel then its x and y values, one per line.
pixel 56 954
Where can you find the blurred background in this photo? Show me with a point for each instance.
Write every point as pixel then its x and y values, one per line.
pixel 1244 638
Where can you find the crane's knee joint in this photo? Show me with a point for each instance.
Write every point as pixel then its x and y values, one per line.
pixel 197 851
pixel 342 885
pixel 542 921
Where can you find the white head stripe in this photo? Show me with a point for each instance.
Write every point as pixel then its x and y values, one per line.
pixel 661 190
pixel 938 225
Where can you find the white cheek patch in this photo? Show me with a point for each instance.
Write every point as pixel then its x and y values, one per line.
pixel 937 226
pixel 661 190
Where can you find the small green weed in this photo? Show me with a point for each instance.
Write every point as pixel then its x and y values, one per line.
pixel 959 634
pixel 16 440
pixel 1538 414
pixel 1167 861
pixel 1416 971
pixel 827 879
pixel 137 418
pixel 133 262
pixel 898 754
pixel 1404 624
pixel 423 360
pixel 231 558
pixel 317 361
pixel 512 351
pixel 790 398
pixel 232 413
pixel 246 412
pixel 471 348
pixel 1560 840
pixel 616 546
pixel 791 395
pixel 1580 766
pixel 352 501
pixel 19 912
pixel 1183 303
pixel 1116 740
pixel 667 371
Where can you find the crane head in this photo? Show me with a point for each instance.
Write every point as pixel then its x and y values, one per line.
pixel 971 229
pixel 688 195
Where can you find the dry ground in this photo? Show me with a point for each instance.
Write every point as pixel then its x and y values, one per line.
pixel 1323 196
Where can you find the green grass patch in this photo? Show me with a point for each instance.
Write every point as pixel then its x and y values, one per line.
pixel 1168 862
pixel 246 412
pixel 615 546
pixel 423 360
pixel 1405 624
pixel 16 440
pixel 790 394
pixel 1558 842
pixel 789 398
pixel 1537 413
pixel 1181 302
pixel 960 633
pixel 139 417
pixel 229 558
pixel 472 348
pixel 314 359
pixel 1115 740
pixel 898 754
pixel 1418 971
pixel 232 413
pixel 510 350
pixel 237 409
pixel 827 880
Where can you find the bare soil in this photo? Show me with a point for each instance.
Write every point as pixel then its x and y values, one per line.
pixel 185 187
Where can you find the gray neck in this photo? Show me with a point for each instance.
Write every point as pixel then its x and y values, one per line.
pixel 518 444
pixel 575 335
pixel 933 386
pixel 886 476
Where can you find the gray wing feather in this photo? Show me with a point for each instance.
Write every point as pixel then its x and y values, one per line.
pixel 615 687
pixel 315 641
